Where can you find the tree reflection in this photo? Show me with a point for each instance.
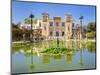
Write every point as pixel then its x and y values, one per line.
pixel 16 48
pixel 45 59
pixel 20 47
pixel 91 46
pixel 69 58
pixel 57 57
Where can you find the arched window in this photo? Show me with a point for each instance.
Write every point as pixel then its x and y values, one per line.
pixel 51 33
pixel 68 28
pixel 51 23
pixel 57 33
pixel 63 33
pixel 45 27
pixel 57 23
pixel 63 24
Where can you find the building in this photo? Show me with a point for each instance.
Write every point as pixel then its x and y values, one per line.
pixel 55 28
pixel 36 30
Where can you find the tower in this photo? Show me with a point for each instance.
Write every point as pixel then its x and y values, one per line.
pixel 57 24
pixel 68 26
pixel 45 24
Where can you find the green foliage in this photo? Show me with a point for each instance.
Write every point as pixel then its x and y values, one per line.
pixel 91 35
pixel 92 26
pixel 91 46
pixel 16 47
pixel 28 21
pixel 17 34
pixel 15 25
pixel 91 30
pixel 57 50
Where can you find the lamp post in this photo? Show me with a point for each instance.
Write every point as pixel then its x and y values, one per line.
pixel 57 39
pixel 80 18
pixel 31 35
pixel 81 56
pixel 32 63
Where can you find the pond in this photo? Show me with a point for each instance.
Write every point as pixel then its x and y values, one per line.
pixel 27 57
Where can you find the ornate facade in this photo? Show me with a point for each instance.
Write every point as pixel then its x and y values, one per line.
pixel 56 27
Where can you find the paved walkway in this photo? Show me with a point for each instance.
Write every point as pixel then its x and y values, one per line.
pixel 20 41
pixel 93 40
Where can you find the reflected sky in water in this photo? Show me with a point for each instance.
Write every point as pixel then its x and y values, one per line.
pixel 25 59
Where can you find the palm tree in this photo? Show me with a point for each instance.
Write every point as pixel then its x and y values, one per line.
pixel 28 21
pixel 31 21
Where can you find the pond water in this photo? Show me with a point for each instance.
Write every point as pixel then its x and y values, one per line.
pixel 26 57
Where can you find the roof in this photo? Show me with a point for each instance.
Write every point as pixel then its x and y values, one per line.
pixel 45 13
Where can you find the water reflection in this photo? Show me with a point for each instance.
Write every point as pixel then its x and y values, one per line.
pixel 32 52
pixel 69 44
pixel 81 58
pixel 68 58
pixel 80 48
pixel 45 59
pixel 91 46
pixel 28 47
pixel 32 66
pixel 57 57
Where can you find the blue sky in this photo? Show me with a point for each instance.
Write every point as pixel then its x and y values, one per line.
pixel 21 10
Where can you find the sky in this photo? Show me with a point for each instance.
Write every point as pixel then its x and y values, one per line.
pixel 22 10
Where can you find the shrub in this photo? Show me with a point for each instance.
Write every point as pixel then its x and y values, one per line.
pixel 91 35
pixel 56 50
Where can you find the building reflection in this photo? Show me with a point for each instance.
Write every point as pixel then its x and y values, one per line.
pixel 27 50
pixel 45 44
pixel 68 58
pixel 79 46
pixel 68 44
pixel 45 59
pixel 57 57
